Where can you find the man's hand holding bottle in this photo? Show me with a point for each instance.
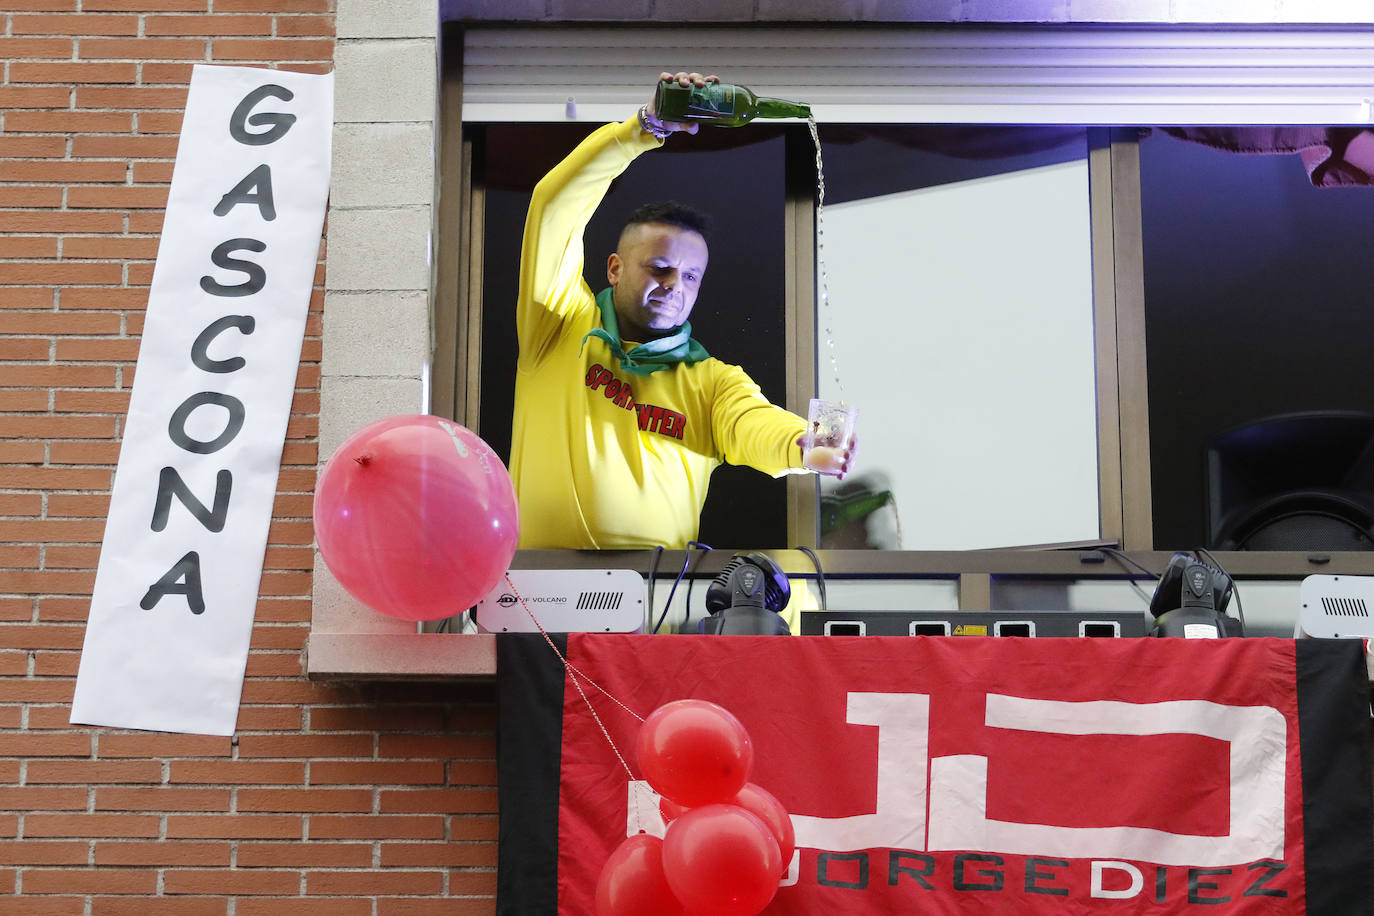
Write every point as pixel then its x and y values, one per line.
pixel 648 117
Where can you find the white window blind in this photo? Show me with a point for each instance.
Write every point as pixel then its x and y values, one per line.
pixel 888 74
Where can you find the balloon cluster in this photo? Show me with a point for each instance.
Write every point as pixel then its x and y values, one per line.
pixel 416 517
pixel 727 841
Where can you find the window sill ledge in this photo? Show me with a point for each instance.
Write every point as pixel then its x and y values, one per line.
pixel 421 656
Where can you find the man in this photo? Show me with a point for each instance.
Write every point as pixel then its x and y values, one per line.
pixel 620 416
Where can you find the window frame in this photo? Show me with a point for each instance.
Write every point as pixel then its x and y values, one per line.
pixel 369 645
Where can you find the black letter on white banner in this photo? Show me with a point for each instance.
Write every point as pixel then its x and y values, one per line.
pixel 169 484
pixel 242 193
pixel 176 428
pixel 182 579
pixel 202 359
pixel 257 277
pixel 277 123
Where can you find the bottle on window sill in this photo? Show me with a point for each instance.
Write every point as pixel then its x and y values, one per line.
pixel 838 511
pixel 720 105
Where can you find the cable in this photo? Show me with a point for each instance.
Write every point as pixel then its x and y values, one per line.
pixel 672 591
pixel 1235 587
pixel 820 573
pixel 653 573
pixel 691 578
pixel 1122 559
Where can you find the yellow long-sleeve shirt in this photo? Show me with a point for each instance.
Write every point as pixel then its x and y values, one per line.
pixel 602 458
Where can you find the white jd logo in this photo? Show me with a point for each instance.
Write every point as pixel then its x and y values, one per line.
pixel 1256 737
pixel 956 793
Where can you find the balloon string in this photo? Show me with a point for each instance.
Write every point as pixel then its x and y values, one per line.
pixel 563 658
pixel 573 670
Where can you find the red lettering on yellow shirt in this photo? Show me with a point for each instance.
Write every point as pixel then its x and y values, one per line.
pixel 597 376
pixel 651 418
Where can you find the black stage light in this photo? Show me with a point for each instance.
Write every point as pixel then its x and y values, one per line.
pixel 746 598
pixel 1190 601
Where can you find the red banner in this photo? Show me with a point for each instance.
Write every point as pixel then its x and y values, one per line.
pixel 965 775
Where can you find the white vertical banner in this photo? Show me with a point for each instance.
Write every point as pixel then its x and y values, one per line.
pixel 177 584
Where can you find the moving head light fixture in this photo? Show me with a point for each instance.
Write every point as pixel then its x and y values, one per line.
pixel 1190 601
pixel 746 598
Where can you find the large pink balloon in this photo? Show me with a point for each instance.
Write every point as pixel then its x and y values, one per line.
pixel 632 881
pixel 694 752
pixel 721 860
pixel 416 517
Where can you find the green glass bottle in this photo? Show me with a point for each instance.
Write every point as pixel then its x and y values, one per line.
pixel 838 511
pixel 720 105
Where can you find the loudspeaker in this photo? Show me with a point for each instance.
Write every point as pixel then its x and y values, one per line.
pixel 1299 481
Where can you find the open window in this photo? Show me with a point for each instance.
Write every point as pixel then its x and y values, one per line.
pixel 1156 362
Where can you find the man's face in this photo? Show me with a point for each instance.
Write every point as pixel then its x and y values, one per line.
pixel 656 273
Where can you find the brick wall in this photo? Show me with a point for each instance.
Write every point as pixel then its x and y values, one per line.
pixel 367 798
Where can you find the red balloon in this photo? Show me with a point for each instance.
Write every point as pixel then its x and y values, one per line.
pixel 632 881
pixel 416 517
pixel 694 752
pixel 721 860
pixel 670 810
pixel 765 804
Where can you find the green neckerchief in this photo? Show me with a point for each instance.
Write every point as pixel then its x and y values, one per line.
pixel 660 353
